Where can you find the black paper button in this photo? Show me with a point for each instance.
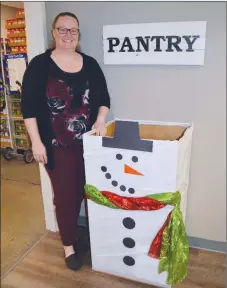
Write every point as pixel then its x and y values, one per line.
pixel 129 223
pixel 129 242
pixel 129 261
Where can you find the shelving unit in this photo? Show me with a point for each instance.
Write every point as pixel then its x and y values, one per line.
pixel 5 127
pixel 14 137
pixel 16 34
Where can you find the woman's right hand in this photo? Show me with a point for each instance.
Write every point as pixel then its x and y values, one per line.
pixel 39 152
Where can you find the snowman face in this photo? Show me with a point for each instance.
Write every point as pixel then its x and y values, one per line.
pixel 133 173
pixel 125 174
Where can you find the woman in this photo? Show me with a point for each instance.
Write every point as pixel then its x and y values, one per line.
pixel 64 94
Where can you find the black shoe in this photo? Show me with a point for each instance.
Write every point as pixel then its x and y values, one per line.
pixel 74 262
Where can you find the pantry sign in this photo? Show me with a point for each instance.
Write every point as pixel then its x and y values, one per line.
pixel 173 43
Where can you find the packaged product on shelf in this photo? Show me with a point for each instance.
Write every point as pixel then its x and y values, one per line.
pixel 20 13
pixel 8 23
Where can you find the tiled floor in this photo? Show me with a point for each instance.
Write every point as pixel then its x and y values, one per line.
pixel 22 214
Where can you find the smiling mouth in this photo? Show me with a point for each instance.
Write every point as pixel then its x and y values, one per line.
pixel 68 41
pixel 115 183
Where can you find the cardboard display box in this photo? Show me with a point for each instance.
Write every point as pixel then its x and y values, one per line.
pixel 126 172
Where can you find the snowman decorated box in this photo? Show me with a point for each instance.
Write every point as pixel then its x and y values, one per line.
pixel 137 179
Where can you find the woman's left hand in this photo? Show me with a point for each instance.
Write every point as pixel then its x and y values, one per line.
pixel 100 128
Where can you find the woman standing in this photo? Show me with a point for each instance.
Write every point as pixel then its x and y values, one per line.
pixel 64 95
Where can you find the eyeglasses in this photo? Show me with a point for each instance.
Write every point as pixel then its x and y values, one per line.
pixel 64 31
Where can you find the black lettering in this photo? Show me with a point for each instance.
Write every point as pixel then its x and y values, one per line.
pixel 145 45
pixel 112 43
pixel 158 42
pixel 172 43
pixel 127 43
pixel 189 42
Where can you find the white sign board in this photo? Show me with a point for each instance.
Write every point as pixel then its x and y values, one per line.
pixel 173 43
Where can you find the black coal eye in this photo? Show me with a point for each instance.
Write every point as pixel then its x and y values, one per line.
pixel 135 159
pixel 119 156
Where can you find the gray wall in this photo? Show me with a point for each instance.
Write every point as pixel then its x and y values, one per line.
pixel 184 94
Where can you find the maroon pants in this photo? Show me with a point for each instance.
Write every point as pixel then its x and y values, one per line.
pixel 68 179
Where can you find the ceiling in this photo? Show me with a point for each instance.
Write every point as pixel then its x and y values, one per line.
pixel 13 4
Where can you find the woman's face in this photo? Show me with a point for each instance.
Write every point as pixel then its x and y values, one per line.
pixel 64 38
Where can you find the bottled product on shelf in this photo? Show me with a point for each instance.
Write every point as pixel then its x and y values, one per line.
pixel 19 128
pixel 22 143
pixel 15 104
pixel 2 99
pixel 15 95
pixel 4 134
pixel 16 109
pixel 4 127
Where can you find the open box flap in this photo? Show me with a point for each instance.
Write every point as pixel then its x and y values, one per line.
pixel 150 130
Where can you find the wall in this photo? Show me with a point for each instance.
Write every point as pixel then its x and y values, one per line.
pixel 35 17
pixel 171 93
pixel 6 13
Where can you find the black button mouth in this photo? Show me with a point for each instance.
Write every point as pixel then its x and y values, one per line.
pixel 131 190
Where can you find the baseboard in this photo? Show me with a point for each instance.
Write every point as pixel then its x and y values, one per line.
pixel 194 242
pixel 209 245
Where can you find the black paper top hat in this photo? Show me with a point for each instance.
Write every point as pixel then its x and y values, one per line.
pixel 127 136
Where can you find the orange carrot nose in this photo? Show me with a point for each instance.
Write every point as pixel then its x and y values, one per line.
pixel 130 170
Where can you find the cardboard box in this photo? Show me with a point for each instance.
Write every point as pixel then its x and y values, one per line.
pixel 134 160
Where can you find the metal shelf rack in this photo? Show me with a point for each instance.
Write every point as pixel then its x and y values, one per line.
pixel 14 137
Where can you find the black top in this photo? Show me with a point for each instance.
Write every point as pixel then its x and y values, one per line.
pixel 34 101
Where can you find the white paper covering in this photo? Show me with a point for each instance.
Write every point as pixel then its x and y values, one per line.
pixel 166 169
